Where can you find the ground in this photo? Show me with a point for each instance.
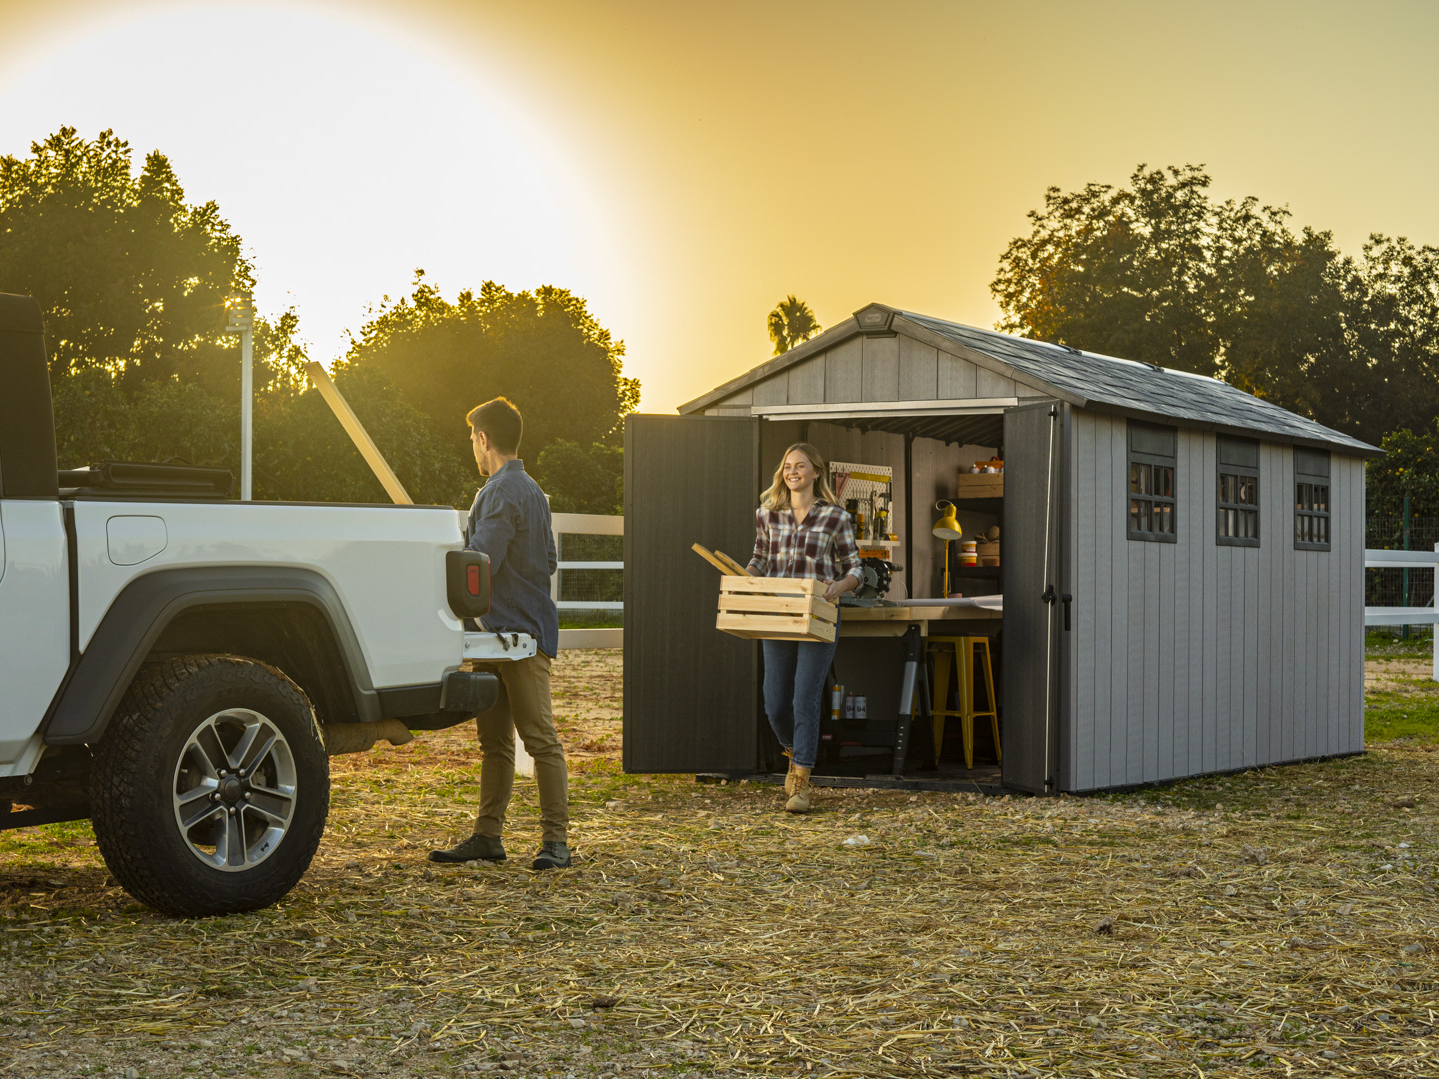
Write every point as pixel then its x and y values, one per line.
pixel 1281 922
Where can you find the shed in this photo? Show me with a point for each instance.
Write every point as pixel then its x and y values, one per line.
pixel 1181 570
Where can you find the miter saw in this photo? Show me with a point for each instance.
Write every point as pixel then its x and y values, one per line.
pixel 876 575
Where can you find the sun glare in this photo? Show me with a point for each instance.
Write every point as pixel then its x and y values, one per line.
pixel 346 152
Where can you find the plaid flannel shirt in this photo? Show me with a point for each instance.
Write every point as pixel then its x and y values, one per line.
pixel 822 547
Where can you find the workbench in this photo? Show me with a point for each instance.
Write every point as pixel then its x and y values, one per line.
pixel 891 673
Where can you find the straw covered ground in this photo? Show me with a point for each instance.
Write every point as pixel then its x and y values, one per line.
pixel 1281 922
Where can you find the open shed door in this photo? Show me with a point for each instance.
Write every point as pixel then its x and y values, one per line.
pixel 1032 613
pixel 691 692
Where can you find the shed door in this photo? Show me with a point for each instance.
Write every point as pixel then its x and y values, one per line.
pixel 691 692
pixel 1032 476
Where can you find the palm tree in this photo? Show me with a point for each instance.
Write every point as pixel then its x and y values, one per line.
pixel 791 323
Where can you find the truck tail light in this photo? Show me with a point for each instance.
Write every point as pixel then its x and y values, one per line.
pixel 467 583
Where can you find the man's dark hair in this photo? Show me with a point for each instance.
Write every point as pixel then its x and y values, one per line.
pixel 500 421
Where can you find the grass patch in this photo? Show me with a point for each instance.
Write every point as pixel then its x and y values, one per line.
pixel 1390 714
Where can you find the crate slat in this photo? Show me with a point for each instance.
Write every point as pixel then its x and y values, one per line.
pixel 815 606
pixel 773 585
pixel 776 627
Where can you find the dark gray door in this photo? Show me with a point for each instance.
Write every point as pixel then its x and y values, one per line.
pixel 691 692
pixel 1032 480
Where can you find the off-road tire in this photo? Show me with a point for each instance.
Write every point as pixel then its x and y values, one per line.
pixel 134 778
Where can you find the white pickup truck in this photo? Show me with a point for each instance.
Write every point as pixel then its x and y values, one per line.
pixel 178 667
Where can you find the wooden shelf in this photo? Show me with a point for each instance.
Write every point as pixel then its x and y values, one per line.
pixel 979 505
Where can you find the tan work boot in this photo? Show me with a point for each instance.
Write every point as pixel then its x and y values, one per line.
pixel 789 775
pixel 801 799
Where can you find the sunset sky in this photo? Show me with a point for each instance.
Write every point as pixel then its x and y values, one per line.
pixel 685 165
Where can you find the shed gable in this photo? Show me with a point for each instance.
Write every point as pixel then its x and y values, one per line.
pixel 864 369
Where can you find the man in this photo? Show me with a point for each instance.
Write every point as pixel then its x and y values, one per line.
pixel 510 522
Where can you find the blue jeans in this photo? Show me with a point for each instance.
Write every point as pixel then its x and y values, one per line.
pixel 793 687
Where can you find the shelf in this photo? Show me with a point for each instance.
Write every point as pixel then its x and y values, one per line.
pixel 993 572
pixel 980 505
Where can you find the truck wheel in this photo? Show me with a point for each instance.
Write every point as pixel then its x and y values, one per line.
pixel 210 787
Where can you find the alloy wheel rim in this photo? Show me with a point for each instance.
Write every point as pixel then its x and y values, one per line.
pixel 234 790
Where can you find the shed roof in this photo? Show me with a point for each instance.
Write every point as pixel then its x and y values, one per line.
pixel 1084 379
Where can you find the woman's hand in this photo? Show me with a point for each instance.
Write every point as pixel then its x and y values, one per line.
pixel 834 589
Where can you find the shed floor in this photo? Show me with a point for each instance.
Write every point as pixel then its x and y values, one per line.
pixel 981 779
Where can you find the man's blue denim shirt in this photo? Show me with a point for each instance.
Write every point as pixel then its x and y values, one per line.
pixel 510 522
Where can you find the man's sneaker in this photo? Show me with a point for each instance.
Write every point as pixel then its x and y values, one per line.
pixel 552 855
pixel 789 776
pixel 800 800
pixel 478 847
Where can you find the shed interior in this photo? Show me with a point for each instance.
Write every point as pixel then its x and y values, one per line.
pixel 926 455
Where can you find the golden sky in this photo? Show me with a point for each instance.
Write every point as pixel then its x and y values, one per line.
pixel 686 165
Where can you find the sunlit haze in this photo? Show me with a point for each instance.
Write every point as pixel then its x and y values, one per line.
pixel 684 166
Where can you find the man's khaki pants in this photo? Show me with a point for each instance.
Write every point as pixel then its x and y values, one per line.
pixel 523 706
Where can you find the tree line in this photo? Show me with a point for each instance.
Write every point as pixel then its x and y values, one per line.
pixel 133 278
pixel 1159 271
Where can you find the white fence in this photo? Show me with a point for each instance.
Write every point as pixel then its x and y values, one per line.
pixel 586 524
pixel 1404 616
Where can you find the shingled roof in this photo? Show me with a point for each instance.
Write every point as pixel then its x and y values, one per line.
pixel 1085 379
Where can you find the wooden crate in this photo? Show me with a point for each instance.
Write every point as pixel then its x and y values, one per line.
pixel 776 609
pixel 981 485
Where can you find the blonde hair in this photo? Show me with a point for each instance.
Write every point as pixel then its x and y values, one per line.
pixel 777 496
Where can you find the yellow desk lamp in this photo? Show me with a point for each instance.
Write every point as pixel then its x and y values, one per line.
pixel 947 528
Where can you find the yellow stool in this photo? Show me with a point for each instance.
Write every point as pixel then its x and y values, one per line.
pixel 962 649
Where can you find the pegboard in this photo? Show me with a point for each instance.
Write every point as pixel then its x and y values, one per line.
pixel 873 487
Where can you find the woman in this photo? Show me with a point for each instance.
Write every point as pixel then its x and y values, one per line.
pixel 801 531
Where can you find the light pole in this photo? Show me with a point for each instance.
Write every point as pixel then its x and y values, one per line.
pixel 240 308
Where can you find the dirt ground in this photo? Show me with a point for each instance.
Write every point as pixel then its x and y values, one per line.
pixel 1282 922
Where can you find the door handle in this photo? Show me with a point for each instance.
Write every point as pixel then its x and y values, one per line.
pixel 1066 599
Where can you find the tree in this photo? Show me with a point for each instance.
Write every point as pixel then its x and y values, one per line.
pixel 1159 272
pixel 791 323
pixel 542 349
pixel 131 278
pixel 580 480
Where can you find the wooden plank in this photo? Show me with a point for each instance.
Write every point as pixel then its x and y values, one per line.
pixel 732 568
pixel 772 585
pixel 815 606
pixel 708 556
pixel 880 365
pixel 918 370
pixel 956 378
pixel 775 627
pixel 806 381
pixel 320 379
pixel 844 371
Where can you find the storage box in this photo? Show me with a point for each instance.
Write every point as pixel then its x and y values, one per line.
pixel 981 485
pixel 776 609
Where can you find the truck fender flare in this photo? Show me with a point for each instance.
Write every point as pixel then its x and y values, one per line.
pixel 86 700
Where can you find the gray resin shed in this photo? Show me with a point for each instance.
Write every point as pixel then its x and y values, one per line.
pixel 1209 546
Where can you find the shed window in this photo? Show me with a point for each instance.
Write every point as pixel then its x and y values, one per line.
pixel 1152 459
pixel 1238 492
pixel 1311 500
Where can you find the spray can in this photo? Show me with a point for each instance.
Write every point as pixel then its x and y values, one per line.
pixel 861 707
pixel 849 706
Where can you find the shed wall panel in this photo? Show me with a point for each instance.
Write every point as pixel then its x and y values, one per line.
pixel 1085 586
pixel 956 378
pixel 806 381
pixel 1101 541
pixel 881 368
pixel 989 384
pixel 1119 610
pixel 844 371
pixel 773 390
pixel 918 370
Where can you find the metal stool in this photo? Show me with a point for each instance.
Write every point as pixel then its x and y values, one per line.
pixel 962 648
